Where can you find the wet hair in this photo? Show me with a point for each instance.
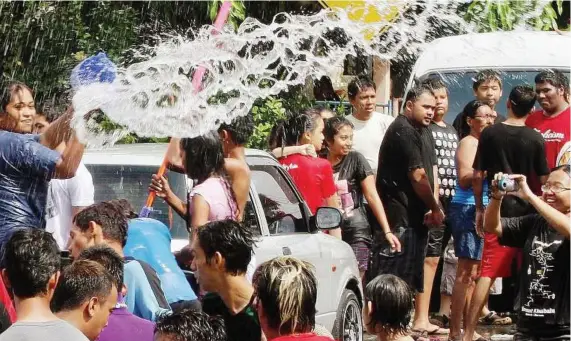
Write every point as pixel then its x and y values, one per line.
pixel 553 77
pixel 486 76
pixel 392 301
pixel 288 132
pixel 124 206
pixel 565 168
pixel 109 259
pixel 204 156
pixel 191 325
pixel 287 289
pixel 78 283
pixel 232 240
pixel 113 222
pixel 470 111
pixel 435 83
pixel 9 91
pixel 416 91
pixel 31 258
pixel 240 129
pixel 359 84
pixel 333 125
pixel 522 100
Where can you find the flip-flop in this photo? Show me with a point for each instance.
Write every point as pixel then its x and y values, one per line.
pixel 493 319
pixel 437 331
pixel 441 321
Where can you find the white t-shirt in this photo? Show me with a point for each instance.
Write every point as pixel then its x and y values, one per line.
pixel 62 196
pixel 368 136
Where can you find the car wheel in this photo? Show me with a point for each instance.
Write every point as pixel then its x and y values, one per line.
pixel 349 322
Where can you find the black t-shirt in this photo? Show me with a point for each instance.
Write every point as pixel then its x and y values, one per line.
pixel 244 326
pixel 348 175
pixel 511 150
pixel 404 149
pixel 446 143
pixel 544 282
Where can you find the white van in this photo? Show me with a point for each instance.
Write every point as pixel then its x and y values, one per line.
pixel 517 55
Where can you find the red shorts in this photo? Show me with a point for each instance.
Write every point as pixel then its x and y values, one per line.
pixel 496 259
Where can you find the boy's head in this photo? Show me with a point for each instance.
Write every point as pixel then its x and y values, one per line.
pixel 189 325
pixel 388 305
pixel 237 133
pixel 17 108
pixel 487 87
pixel 552 89
pixel 32 263
pixel 286 289
pixel 441 93
pixel 521 100
pixel 44 118
pixel 101 223
pixel 86 293
pixel 221 248
pixel 420 103
pixel 362 92
pixel 110 260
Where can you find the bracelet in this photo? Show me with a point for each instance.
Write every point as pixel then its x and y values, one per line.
pixel 498 199
pixel 388 232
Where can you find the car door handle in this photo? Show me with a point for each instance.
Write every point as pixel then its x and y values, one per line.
pixel 286 251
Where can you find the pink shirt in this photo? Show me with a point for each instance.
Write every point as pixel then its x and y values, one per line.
pixel 216 191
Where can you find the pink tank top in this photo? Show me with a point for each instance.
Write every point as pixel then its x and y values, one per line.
pixel 217 193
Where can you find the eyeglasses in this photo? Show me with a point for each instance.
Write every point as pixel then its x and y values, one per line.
pixel 483 117
pixel 554 188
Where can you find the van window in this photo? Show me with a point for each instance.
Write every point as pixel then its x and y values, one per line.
pixel 460 88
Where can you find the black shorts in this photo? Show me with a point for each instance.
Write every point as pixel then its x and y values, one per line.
pixel 407 264
pixel 435 240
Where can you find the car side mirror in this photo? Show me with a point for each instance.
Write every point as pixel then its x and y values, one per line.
pixel 327 218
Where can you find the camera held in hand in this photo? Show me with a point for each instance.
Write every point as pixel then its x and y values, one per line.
pixel 506 184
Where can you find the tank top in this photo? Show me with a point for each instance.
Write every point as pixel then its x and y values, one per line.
pixel 466 196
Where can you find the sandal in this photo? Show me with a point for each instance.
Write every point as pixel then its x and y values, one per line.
pixel 493 319
pixel 427 333
pixel 441 321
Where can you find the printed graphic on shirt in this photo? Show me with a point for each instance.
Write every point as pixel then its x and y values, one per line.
pixel 51 207
pixel 564 156
pixel 540 293
pixel 551 136
pixel 345 197
pixel 446 144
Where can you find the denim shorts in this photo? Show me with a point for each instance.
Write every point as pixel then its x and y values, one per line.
pixel 467 243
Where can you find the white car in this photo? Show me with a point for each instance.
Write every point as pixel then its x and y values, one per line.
pixel 275 211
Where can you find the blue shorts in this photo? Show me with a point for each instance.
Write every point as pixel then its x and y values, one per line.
pixel 467 243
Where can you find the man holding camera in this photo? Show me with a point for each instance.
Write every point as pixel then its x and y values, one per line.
pixel 508 147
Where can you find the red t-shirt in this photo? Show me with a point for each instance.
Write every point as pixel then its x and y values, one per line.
pixel 302 337
pixel 556 133
pixel 312 176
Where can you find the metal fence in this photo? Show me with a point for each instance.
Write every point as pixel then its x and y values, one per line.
pixel 333 105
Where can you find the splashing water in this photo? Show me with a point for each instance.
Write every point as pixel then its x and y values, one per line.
pixel 156 98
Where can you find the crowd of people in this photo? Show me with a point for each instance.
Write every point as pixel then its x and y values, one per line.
pixel 482 194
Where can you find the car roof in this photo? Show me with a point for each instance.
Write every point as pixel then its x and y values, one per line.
pixel 498 50
pixel 145 154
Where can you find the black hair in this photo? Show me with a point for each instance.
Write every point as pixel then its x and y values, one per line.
pixel 204 156
pixel 566 168
pixel 435 83
pixel 113 222
pixel 9 91
pixel 48 111
pixel 232 240
pixel 522 100
pixel 333 125
pixel 288 132
pixel 125 206
pixel 287 290
pixel 191 325
pixel 486 76
pixel 240 129
pixel 359 84
pixel 31 258
pixel 110 260
pixel 553 77
pixel 78 283
pixel 393 302
pixel 470 111
pixel 416 91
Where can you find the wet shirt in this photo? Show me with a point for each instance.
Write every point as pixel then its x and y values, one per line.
pixel 243 326
pixel 26 167
pixel 348 175
pixel 124 326
pixel 405 148
pixel 149 240
pixel 312 176
pixel 544 283
pixel 445 145
pixel 511 150
pixel 556 131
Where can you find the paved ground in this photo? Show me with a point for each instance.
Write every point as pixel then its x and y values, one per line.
pixel 486 331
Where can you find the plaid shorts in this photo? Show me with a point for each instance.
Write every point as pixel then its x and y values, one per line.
pixel 363 253
pixel 407 264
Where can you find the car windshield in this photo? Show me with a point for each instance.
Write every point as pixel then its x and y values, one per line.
pixel 460 88
pixel 132 183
